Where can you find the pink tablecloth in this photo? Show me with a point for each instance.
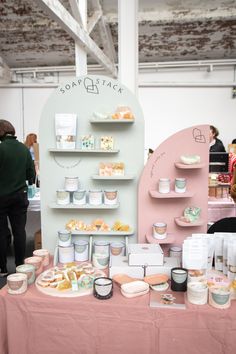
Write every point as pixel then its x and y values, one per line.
pixel 34 323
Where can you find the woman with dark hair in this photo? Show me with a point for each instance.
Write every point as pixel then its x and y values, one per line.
pixel 16 166
pixel 216 144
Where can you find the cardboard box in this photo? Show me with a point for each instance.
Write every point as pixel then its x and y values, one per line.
pixel 119 265
pixel 168 264
pixel 145 254
pixel 37 240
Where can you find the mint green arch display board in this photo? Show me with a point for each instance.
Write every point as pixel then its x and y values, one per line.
pixel 85 96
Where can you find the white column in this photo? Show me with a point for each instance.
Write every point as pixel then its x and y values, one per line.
pixel 128 44
pixel 80 54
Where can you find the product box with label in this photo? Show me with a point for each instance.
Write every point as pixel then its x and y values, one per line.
pixel 168 264
pixel 145 254
pixel 119 265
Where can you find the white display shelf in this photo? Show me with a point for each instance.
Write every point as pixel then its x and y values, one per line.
pixel 103 233
pixel 126 177
pixel 85 206
pixel 86 151
pixel 189 167
pixel 171 194
pixel 102 121
pixel 181 223
pixel 169 239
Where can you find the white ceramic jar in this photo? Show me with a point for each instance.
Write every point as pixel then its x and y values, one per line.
pixel 164 185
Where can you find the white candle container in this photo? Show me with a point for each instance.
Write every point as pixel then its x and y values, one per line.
pixel 176 251
pixel 16 283
pixel 79 197
pixel 219 297
pixel 197 293
pixel 159 230
pixel 71 184
pixel 117 249
pixel 63 197
pixel 95 197
pixel 100 261
pixel 102 247
pixel 29 270
pixel 66 254
pixel 110 197
pixel 81 250
pixel 44 254
pixel 164 185
pixel 180 185
pixel 64 238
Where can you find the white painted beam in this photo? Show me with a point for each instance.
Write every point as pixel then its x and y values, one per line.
pixel 106 37
pixel 59 14
pixel 93 20
pixel 5 72
pixel 79 11
pixel 128 43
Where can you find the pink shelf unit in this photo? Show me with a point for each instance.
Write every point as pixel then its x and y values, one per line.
pixel 165 163
pixel 169 239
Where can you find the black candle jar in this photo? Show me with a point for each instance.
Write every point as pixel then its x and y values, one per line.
pixel 179 277
pixel 103 288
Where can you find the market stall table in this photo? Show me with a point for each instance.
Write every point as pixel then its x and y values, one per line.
pixel 34 323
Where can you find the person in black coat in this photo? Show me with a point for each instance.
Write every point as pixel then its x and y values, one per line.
pixel 216 144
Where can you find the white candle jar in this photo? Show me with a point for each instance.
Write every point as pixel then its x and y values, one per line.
pixel 79 197
pixel 71 184
pixel 110 197
pixel 164 185
pixel 16 283
pixel 81 250
pixel 66 254
pixel 63 197
pixel 180 185
pixel 95 197
pixel 64 238
pixel 197 293
pixel 159 230
pixel 101 247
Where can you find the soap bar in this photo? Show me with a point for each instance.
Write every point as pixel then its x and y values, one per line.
pixel 190 159
pixel 192 213
pixel 135 287
pixel 107 143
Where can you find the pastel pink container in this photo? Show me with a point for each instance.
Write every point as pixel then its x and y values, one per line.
pixel 44 254
pixel 37 262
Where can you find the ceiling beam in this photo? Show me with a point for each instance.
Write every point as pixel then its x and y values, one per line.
pixel 58 13
pixel 76 12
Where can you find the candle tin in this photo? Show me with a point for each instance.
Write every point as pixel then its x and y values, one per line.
pixel 117 249
pixel 44 254
pixel 71 184
pixel 66 254
pixel 63 197
pixel 110 197
pixel 29 270
pixel 103 288
pixel 197 293
pixel 219 297
pixel 79 197
pixel 16 283
pixel 179 278
pixel 164 185
pixel 37 262
pixel 176 251
pixel 180 185
pixel 100 261
pixel 64 238
pixel 95 197
pixel 101 247
pixel 159 230
pixel 81 250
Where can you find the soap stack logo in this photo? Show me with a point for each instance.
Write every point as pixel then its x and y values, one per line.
pixel 90 86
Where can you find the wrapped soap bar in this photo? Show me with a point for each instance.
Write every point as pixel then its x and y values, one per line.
pixel 190 159
pixel 192 213
pixel 87 142
pixel 107 143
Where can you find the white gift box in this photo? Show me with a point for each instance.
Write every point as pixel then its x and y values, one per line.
pixel 119 265
pixel 168 264
pixel 145 254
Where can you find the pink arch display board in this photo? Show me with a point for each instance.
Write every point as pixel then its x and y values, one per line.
pixel 165 163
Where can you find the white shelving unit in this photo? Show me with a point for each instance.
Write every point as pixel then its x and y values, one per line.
pixel 56 164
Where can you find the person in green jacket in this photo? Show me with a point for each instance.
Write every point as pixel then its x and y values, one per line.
pixel 16 167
